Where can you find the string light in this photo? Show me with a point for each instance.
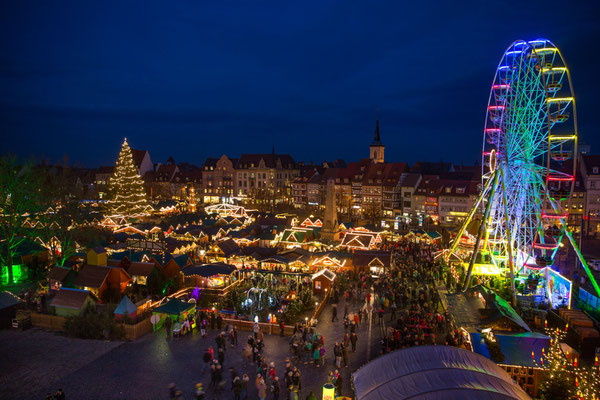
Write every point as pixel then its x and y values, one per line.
pixel 128 197
pixel 584 382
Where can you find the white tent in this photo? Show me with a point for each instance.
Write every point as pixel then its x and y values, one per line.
pixel 434 372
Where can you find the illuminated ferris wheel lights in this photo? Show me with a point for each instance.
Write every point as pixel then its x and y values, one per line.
pixel 501 87
pixel 560 100
pixel 547 70
pixel 562 138
pixel 546 50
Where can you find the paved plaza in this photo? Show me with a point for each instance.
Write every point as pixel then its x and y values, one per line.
pixel 36 362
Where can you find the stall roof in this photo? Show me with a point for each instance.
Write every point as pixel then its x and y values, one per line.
pixel 434 372
pixel 7 299
pixel 173 307
pixel 516 348
pixel 208 270
pixel 125 307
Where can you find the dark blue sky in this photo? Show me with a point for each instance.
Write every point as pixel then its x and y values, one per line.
pixel 193 80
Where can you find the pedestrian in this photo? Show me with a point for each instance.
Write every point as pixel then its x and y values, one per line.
pixel 345 355
pixel 221 356
pixel 219 322
pixel 255 329
pixel 245 380
pixel 203 328
pixel 275 389
pixel 338 386
pixel 281 328
pixel 337 352
pixel 316 356
pixel 334 313
pixel 262 389
pixel 236 387
pixel 168 324
pixel 212 320
pixel 353 340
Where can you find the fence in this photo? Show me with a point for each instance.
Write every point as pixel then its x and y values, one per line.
pixel 321 306
pixel 51 322
pixel 134 332
pixel 56 323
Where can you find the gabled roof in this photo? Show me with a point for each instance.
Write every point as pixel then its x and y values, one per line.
pixel 92 276
pixel 359 240
pixel 326 273
pixel 285 161
pixel 58 273
pixel 70 298
pixel 366 258
pixel 229 247
pixel 125 307
pixel 208 270
pixel 138 156
pixel 7 299
pixel 174 307
pixel 140 269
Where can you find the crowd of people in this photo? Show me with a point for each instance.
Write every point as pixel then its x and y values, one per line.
pixel 403 302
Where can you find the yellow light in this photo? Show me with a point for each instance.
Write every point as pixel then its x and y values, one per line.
pixel 552 69
pixel 560 99
pixel 563 137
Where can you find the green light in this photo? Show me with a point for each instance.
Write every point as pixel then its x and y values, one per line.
pixel 19 274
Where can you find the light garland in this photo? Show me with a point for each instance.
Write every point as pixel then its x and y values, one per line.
pixel 126 186
pixel 556 364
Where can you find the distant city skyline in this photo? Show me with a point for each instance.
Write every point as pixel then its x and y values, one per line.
pixel 195 81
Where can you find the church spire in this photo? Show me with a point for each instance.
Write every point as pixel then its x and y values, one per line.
pixel 377 139
pixel 377 149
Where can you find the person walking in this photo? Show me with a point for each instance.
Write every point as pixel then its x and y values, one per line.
pixel 275 389
pixel 345 355
pixel 334 313
pixel 245 380
pixel 337 352
pixel 316 356
pixel 168 324
pixel 262 389
pixel 339 383
pixel 237 388
pixel 353 340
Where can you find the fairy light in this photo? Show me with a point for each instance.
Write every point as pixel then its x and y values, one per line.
pixel 126 187
pixel 584 381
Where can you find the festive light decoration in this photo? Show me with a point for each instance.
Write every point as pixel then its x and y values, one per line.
pixel 529 161
pixel 576 381
pixel 126 187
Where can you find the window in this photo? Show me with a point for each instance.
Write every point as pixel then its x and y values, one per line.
pixel 595 170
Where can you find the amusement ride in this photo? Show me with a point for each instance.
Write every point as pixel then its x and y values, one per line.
pixel 520 219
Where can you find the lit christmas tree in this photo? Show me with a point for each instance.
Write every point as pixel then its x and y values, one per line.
pixel 127 195
pixel 566 379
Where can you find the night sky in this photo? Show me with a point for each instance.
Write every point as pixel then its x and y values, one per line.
pixel 193 80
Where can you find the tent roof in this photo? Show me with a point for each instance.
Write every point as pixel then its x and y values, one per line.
pixel 516 348
pixel 434 372
pixel 208 270
pixel 7 299
pixel 125 306
pixel 173 307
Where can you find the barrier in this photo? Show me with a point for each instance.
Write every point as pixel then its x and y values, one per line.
pixel 50 322
pixel 134 332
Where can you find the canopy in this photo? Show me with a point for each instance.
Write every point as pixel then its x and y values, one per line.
pixel 125 307
pixel 434 372
pixel 174 307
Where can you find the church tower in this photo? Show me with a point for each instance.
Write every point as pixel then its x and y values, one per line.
pixel 377 149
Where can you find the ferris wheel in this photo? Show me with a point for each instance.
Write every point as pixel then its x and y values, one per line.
pixel 529 160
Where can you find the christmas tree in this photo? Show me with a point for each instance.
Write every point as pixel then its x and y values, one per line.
pixel 127 195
